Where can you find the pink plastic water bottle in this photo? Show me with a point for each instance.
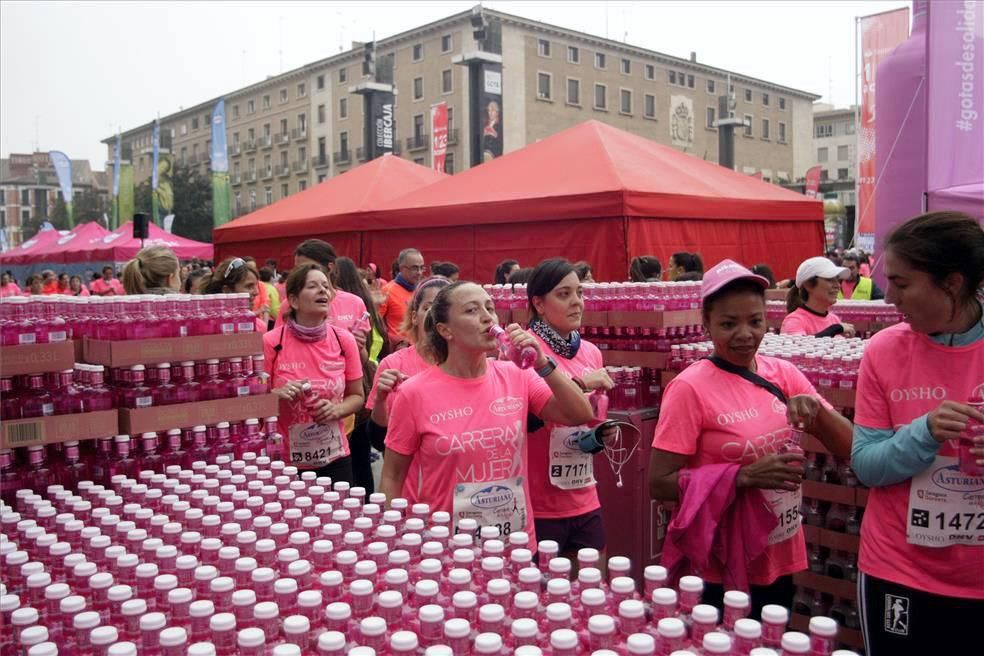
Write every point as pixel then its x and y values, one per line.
pixel 823 635
pixel 564 642
pixel 975 429
pixel 223 633
pixel 601 632
pixel 736 607
pixel 430 623
pixel 774 620
pixel 748 634
pixel 522 357
pixel 703 620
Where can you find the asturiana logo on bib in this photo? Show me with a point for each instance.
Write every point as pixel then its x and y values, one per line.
pixel 951 478
pixel 493 496
pixel 506 405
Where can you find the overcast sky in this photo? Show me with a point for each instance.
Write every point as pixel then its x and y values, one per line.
pixel 72 73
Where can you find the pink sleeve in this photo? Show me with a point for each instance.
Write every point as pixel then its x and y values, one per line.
pixel 794 383
pixel 371 401
pixel 680 419
pixel 402 435
pixel 793 325
pixel 353 364
pixel 871 410
pixel 538 392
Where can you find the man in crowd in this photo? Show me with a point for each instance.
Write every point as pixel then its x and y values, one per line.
pixel 399 290
pixel 858 287
pixel 107 285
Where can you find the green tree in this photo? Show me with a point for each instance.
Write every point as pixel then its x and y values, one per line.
pixel 192 203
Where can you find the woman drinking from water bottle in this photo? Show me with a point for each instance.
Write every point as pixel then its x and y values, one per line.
pixel 317 373
pixel 920 390
pixel 562 484
pixel 722 427
pixel 457 431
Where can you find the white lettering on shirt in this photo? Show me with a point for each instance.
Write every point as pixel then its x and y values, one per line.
pixel 448 415
pixel 737 417
pixel 899 394
pixel 482 438
pixel 753 448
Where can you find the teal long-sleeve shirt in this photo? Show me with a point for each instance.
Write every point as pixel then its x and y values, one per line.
pixel 882 457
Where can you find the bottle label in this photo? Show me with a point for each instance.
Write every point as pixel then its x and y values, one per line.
pixel 183 330
pixel 242 390
pixel 228 328
pixel 27 338
pixel 570 468
pixel 247 327
pixel 144 401
pixel 59 336
pixel 47 409
pixel 945 507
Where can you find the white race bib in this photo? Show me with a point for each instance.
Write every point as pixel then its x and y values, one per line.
pixel 315 445
pixel 786 507
pixel 945 507
pixel 495 503
pixel 570 468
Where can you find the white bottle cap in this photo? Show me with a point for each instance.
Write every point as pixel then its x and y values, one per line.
pixel 705 614
pixel 563 638
pixel 338 610
pixel 794 642
pixel 523 650
pixel 266 610
pixel 431 613
pixel 631 608
pixel 390 599
pixel 655 573
pixel 623 585
pixel 592 597
pixel 747 628
pixel 691 584
pixel 558 586
pixel 86 620
pixel 35 635
pixel 285 586
pixel 823 626
pixel 403 641
pixel 201 649
pixel 51 649
pixel 664 596
pixel 671 627
pixel 641 643
pixel 601 624
pixel 488 643
pixel 251 637
pixel 152 621
pixel 457 628
pixel 373 626
pixel 558 612
pixel 530 575
pixel 526 600
pixel 361 587
pixel 297 624
pixel 736 599
pixel 716 642
pixel 774 614
pixel 173 636
pixel 765 651
pixel 331 641
pixel 179 596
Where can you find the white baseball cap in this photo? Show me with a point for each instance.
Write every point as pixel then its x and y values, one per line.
pixel 819 267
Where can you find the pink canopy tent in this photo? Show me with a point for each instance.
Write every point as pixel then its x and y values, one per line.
pixel 120 245
pixel 67 248
pixel 33 250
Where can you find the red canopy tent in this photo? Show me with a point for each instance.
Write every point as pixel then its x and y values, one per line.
pixel 275 230
pixel 618 195
pixel 120 245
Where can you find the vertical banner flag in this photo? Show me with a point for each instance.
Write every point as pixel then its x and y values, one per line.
pixel 116 184
pixel 880 34
pixel 490 110
pixel 155 139
pixel 63 169
pixel 813 181
pixel 125 201
pixel 381 121
pixel 221 199
pixel 956 106
pixel 439 135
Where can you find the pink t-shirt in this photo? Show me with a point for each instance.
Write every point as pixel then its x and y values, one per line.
pixel 717 417
pixel 328 365
pixel 804 322
pixel 466 437
pixel 406 360
pixel 549 500
pixel 102 288
pixel 10 289
pixel 903 376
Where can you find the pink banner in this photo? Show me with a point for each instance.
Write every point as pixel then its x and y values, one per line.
pixel 813 181
pixel 955 51
pixel 880 34
pixel 439 136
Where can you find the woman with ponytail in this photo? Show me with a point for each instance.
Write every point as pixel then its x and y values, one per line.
pixel 154 270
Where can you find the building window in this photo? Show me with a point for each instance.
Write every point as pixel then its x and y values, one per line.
pixel 691 82
pixel 418 127
pixel 573 55
pixel 600 60
pixel 649 106
pixel 842 153
pixel 765 128
pixel 418 160
pixel 184 129
pixel 418 88
pixel 302 123
pixel 849 128
pixel 626 66
pixel 748 95
pixel 824 174
pixel 711 115
pixel 450 119
pixel 823 130
pixel 251 107
pixel 447 43
pixel 268 195
pixel 266 100
pixel 418 52
pixel 322 150
pixel 446 81
pixel 321 114
pixel 342 75
pixel 283 190
pixel 543 83
pixel 235 111
pixel 782 132
pixel 301 90
pixel 748 125
pixel 322 177
pixel 573 92
pixel 283 96
pixel 343 108
pixel 650 72
pixel 25 215
pixel 782 104
pixel 25 197
pixel 194 123
pixel 710 86
pixel 625 101
pixel 301 185
pixel 321 82
pixel 266 131
pixel 671 77
pixel 842 174
pixel 765 99
pixel 601 96
pixel 543 47
pixel 343 143
pixel 822 154
pixel 449 163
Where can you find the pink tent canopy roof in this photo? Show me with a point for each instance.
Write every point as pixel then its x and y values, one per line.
pixel 66 248
pixel 33 250
pixel 120 245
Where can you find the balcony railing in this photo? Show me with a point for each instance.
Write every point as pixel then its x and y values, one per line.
pixel 452 136
pixel 266 141
pixel 267 173
pixel 343 157
pixel 362 154
pixel 283 171
pixel 236 178
pixel 320 162
pixel 249 146
pixel 298 133
pixel 282 138
pixel 236 149
pixel 250 176
pixel 418 142
pixel 300 166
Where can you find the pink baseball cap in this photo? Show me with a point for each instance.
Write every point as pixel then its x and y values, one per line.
pixel 725 272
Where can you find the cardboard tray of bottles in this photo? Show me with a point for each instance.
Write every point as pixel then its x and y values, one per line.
pixel 839 398
pixel 59 428
pixel 37 358
pixel 183 415
pixel 171 349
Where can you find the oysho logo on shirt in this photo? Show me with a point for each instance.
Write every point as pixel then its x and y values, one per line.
pixel 448 415
pixel 505 406
pixel 900 394
pixel 493 496
pixel 737 417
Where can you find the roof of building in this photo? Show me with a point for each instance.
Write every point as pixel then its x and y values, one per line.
pixel 356 50
pixel 43 174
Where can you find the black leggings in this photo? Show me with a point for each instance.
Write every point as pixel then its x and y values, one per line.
pixel 896 620
pixel 361 458
pixel 340 470
pixel 779 592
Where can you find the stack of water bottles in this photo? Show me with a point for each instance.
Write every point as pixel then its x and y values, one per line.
pixel 55 318
pixel 862 314
pixel 613 296
pixel 244 557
